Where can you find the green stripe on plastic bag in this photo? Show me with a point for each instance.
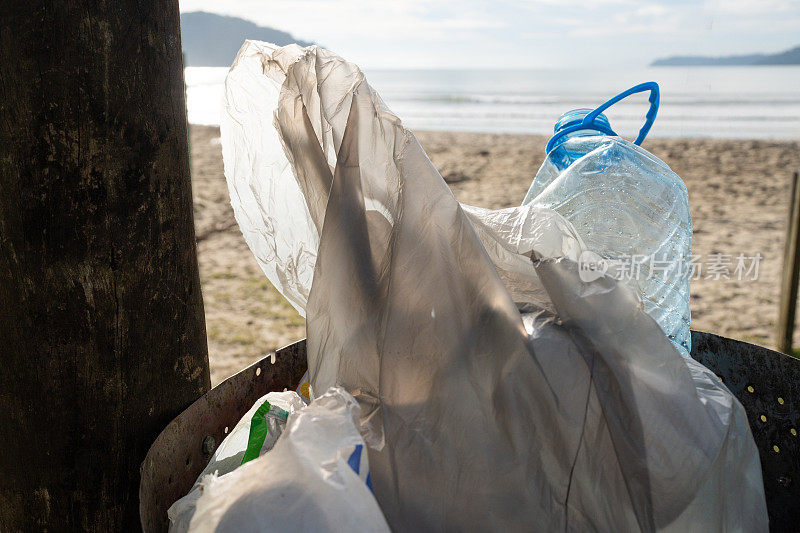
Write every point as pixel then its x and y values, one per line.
pixel 258 432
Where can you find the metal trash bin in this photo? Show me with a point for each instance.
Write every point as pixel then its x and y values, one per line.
pixel 766 382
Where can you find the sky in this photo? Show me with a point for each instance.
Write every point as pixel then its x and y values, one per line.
pixel 523 33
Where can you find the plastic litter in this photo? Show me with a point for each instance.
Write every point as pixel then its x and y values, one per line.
pixel 268 417
pixel 498 390
pixel 303 389
pixel 630 209
pixel 315 478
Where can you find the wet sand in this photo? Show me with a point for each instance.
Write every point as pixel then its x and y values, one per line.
pixel 738 194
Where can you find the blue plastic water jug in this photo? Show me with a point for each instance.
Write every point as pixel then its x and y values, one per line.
pixel 627 205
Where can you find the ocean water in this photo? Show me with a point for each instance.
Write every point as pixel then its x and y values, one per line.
pixel 721 102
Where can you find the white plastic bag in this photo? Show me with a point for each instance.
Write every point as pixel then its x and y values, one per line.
pixel 231 451
pixel 315 479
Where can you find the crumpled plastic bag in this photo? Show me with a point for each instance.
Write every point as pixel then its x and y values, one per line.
pixel 498 390
pixel 315 478
pixel 230 454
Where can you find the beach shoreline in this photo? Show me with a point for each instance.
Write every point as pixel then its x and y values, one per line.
pixel 738 197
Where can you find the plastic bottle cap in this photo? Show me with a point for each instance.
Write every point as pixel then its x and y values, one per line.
pixel 570 118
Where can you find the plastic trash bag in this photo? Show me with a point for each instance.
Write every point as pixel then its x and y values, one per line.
pixel 268 417
pixel 498 390
pixel 315 479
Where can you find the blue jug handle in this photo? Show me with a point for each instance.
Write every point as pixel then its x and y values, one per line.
pixel 588 121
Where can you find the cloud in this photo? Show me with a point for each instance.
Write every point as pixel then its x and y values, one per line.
pixel 463 33
pixel 650 11
pixel 472 23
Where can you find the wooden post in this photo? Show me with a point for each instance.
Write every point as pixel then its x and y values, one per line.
pixel 102 334
pixel 791 272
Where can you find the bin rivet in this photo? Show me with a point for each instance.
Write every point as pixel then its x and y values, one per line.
pixel 209 445
pixel 784 481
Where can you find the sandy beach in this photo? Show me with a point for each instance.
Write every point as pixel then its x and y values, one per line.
pixel 738 194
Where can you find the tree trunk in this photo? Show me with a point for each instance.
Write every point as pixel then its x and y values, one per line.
pixel 102 333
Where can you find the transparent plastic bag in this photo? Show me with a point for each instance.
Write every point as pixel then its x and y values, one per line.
pixel 498 390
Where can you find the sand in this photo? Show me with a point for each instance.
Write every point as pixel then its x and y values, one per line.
pixel 738 195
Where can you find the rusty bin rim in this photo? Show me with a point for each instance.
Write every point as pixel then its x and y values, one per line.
pixel 182 450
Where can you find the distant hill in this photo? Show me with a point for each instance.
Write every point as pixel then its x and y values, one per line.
pixel 789 57
pixel 211 40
